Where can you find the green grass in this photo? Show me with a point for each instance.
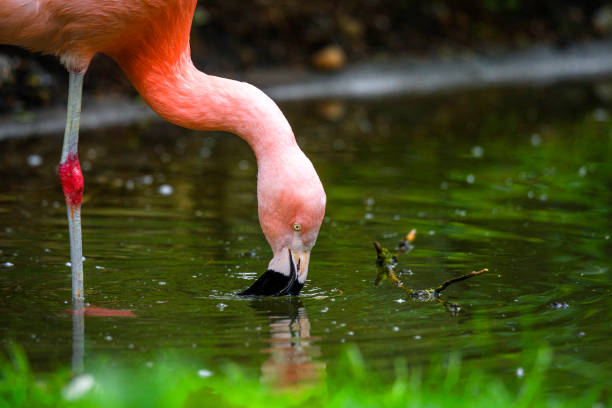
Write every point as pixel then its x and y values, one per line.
pixel 172 382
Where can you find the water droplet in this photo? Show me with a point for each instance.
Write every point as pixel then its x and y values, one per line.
pixel 395 328
pixel 470 179
pixel 108 338
pixel 161 283
pixel 520 372
pixel 582 171
pixel 34 160
pixel 477 151
pixel 417 337
pixel 165 189
pixel 221 306
pixel 8 264
pixel 535 139
pixel 368 216
pixel 99 267
pixel 68 264
pixel 203 373
pixel 400 300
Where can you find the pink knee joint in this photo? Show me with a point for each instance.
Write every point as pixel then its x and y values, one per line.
pixel 72 180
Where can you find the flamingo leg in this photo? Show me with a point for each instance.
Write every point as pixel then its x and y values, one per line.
pixel 71 177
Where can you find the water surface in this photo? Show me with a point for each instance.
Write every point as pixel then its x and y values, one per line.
pixel 517 180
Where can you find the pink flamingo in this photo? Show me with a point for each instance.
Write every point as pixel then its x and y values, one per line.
pixel 149 39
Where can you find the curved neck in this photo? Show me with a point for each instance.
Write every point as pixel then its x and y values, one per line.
pixel 185 96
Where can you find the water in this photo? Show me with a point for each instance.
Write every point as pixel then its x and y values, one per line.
pixel 517 180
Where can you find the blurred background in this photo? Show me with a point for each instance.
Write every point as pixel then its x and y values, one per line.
pixel 273 40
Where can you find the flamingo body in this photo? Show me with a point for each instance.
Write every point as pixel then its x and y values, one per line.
pixel 75 30
pixel 149 39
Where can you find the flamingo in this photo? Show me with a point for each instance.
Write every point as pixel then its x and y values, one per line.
pixel 149 39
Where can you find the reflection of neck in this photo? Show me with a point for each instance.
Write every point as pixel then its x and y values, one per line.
pixel 183 95
pixel 291 353
pixel 295 329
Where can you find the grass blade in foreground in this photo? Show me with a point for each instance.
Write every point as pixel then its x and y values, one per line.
pixel 172 382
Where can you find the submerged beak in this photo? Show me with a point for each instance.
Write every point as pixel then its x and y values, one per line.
pixel 286 275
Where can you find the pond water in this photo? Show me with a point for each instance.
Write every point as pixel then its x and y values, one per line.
pixel 515 180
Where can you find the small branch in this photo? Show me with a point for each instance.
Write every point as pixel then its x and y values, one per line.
pixel 386 263
pixel 449 282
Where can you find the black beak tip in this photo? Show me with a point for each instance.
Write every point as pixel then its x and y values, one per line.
pixel 273 283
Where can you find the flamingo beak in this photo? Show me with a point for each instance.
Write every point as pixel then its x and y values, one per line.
pixel 286 275
pixel 300 261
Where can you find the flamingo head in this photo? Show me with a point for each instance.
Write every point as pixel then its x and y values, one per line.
pixel 291 205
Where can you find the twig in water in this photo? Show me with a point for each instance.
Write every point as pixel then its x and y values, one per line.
pixel 386 263
pixel 449 282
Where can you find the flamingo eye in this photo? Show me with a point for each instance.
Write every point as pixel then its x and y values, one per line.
pixel 296 226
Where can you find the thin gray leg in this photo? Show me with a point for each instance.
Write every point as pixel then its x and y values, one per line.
pixel 69 171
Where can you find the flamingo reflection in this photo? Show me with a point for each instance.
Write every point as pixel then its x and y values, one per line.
pixel 292 354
